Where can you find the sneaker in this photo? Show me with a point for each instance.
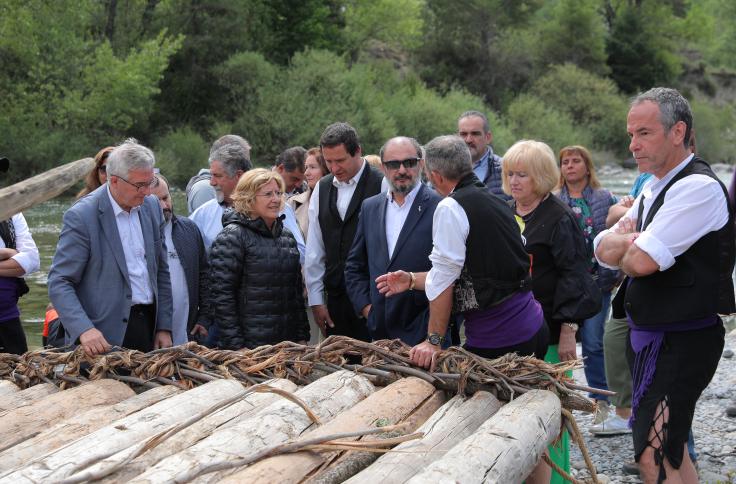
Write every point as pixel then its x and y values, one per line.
pixel 613 425
pixel 602 411
pixel 630 468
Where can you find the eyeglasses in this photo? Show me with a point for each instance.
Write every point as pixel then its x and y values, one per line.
pixel 275 194
pixel 142 185
pixel 102 168
pixel 396 164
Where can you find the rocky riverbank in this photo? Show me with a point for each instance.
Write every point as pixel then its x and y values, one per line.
pixel 715 433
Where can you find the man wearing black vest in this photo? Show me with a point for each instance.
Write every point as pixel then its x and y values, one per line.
pixel 676 245
pixel 333 221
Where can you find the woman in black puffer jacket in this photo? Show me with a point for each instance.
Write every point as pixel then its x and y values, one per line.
pixel 257 291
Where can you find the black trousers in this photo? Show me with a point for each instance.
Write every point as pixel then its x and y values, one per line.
pixel 347 323
pixel 141 324
pixel 12 337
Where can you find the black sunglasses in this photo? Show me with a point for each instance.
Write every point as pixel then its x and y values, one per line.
pixel 396 164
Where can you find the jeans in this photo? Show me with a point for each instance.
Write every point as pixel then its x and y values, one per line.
pixel 591 335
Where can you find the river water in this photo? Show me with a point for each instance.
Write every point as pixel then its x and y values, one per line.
pixel 44 221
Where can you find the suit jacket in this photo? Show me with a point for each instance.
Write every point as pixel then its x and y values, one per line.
pixel 88 281
pixel 189 245
pixel 405 315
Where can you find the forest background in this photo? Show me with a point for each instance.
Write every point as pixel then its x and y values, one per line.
pixel 77 75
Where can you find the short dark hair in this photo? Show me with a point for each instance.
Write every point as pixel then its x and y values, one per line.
pixel 292 159
pixel 477 114
pixel 4 164
pixel 340 134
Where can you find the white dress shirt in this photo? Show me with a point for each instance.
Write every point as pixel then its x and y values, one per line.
pixel 27 256
pixel 179 291
pixel 450 229
pixel 396 216
pixel 314 261
pixel 134 249
pixel 693 207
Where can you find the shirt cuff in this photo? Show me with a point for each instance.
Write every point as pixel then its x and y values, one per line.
pixel 437 281
pixel 656 250
pixel 26 262
pixel 597 241
pixel 315 298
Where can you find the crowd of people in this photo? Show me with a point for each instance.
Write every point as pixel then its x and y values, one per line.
pixel 442 244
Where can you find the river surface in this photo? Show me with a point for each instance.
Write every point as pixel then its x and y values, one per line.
pixel 44 221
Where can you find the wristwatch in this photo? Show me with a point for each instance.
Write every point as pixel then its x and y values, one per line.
pixel 574 326
pixel 435 339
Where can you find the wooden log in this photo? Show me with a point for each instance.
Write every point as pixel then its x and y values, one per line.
pixel 347 464
pixel 125 433
pixel 277 423
pixel 78 426
pixel 506 448
pixel 27 193
pixel 220 419
pixel 387 406
pixel 25 422
pixel 452 423
pixel 8 387
pixel 25 397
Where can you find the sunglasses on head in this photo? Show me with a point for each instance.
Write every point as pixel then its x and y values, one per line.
pixel 396 164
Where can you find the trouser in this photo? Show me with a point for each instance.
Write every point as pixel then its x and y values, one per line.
pixel 141 324
pixel 342 313
pixel 12 337
pixel 618 374
pixel 591 335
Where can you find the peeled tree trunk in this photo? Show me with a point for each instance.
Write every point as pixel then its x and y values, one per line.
pixel 387 406
pixel 125 433
pixel 275 424
pixel 14 400
pixel 8 387
pixel 453 422
pixel 78 426
pixel 24 422
pixel 506 448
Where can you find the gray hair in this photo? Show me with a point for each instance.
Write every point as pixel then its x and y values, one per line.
pixel 448 155
pixel 129 155
pixel 233 157
pixel 230 139
pixel 477 114
pixel 673 107
pixel 401 140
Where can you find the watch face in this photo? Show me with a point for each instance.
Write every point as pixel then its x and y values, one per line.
pixel 434 339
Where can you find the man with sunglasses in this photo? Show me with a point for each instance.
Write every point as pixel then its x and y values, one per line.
pixel 109 280
pixel 473 127
pixel 394 233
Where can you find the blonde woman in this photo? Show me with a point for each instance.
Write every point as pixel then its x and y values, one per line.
pixel 256 282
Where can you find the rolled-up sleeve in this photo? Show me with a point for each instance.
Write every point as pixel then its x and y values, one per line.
pixel 27 255
pixel 450 228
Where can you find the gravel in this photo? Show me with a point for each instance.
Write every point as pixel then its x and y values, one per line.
pixel 715 433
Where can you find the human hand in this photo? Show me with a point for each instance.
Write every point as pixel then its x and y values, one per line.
pixel 93 342
pixel 425 355
pixel 626 201
pixel 566 347
pixel 626 226
pixel 322 318
pixel 162 339
pixel 393 283
pixel 199 331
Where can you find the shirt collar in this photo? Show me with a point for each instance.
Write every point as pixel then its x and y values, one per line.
pixel 409 199
pixel 657 183
pixel 116 208
pixel 483 159
pixel 352 181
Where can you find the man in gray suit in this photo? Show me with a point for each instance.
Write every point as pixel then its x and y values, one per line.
pixel 109 280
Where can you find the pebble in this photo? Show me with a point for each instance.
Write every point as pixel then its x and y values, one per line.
pixel 728 353
pixel 715 433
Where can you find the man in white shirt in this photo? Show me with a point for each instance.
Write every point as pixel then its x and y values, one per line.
pixel 394 233
pixel 333 222
pixel 676 245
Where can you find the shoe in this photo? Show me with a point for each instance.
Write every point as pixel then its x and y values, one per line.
pixel 613 425
pixel 731 411
pixel 602 411
pixel 630 468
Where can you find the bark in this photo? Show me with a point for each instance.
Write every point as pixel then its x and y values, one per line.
pixel 506 448
pixel 125 433
pixel 452 423
pixel 78 426
pixel 275 424
pixel 25 422
pixel 25 397
pixel 387 406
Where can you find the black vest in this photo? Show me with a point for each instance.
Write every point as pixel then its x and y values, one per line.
pixel 698 285
pixel 338 234
pixel 496 263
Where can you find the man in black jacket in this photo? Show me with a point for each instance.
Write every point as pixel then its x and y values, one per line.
pixel 333 221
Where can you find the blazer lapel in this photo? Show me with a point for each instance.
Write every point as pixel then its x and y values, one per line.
pixel 146 221
pixel 110 230
pixel 417 211
pixel 381 231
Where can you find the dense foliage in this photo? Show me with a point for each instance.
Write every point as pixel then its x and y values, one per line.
pixel 78 75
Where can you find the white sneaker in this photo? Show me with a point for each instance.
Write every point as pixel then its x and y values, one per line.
pixel 613 425
pixel 602 411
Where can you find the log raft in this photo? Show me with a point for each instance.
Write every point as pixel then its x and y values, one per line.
pixel 286 413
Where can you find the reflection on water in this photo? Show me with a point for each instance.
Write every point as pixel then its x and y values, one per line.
pixel 45 223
